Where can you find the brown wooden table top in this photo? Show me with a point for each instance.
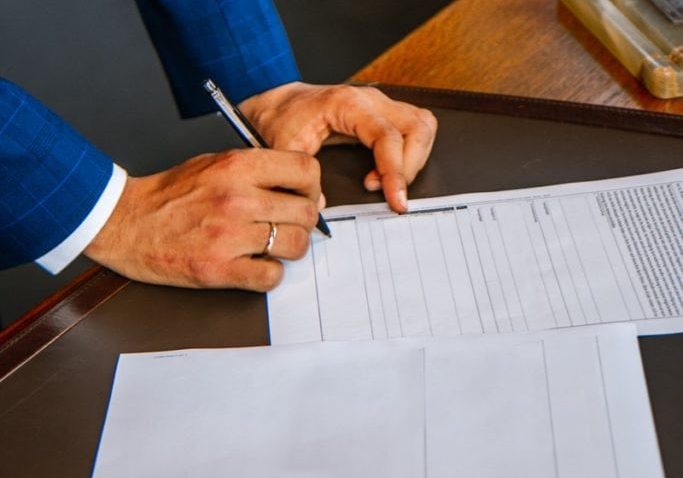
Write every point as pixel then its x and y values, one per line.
pixel 533 48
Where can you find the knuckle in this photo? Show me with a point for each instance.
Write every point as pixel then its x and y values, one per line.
pixel 231 161
pixel 300 242
pixel 428 118
pixel 232 204
pixel 310 215
pixel 201 271
pixel 228 158
pixel 271 275
pixel 423 127
pixel 343 94
pixel 391 133
pixel 373 92
pixel 308 166
pixel 214 232
pixel 345 91
pixel 266 206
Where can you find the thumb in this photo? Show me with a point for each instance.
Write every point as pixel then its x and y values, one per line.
pixel 372 181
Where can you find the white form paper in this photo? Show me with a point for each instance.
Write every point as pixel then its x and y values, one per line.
pixel 552 404
pixel 531 259
pixel 293 412
pixel 565 403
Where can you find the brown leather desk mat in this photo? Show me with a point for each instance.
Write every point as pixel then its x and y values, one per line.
pixel 52 407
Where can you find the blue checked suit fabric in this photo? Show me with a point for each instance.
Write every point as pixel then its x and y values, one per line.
pixel 51 177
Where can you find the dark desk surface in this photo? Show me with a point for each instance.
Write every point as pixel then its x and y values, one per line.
pixel 52 407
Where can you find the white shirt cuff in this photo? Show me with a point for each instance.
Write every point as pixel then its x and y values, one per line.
pixel 71 247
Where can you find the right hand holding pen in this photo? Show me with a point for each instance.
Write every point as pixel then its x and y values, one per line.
pixel 204 223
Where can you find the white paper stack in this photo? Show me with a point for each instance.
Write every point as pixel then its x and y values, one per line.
pixel 565 403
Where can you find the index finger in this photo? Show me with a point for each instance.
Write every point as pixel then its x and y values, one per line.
pixel 292 171
pixel 386 141
pixel 418 127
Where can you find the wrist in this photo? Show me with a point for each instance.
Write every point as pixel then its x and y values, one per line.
pixel 113 236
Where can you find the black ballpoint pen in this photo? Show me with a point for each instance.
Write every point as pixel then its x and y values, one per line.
pixel 246 131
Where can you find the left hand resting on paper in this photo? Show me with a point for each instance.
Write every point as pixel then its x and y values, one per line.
pixel 300 117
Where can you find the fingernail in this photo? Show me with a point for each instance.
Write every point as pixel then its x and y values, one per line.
pixel 403 199
pixel 373 185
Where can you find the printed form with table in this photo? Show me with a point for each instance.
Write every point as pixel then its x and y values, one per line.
pixel 479 335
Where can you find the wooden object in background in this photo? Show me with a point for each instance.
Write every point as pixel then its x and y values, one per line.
pixel 641 37
pixel 534 48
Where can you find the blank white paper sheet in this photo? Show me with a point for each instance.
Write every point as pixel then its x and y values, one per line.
pixel 298 412
pixel 523 260
pixel 551 404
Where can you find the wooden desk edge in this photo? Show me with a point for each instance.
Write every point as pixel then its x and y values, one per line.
pixel 61 311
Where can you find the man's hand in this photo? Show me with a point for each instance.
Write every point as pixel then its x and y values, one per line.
pixel 204 223
pixel 300 117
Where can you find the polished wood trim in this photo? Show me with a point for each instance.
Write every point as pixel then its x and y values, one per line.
pixel 49 302
pixel 56 315
pixel 533 48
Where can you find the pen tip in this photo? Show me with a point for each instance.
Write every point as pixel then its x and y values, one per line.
pixel 323 227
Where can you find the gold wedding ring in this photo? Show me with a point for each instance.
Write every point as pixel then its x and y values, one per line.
pixel 271 239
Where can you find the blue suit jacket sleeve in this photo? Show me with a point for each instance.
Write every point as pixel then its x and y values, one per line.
pixel 240 44
pixel 50 177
